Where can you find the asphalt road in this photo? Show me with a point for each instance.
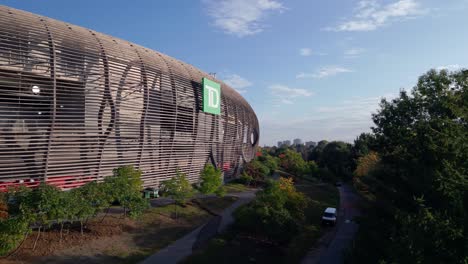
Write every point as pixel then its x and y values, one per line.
pixel 346 228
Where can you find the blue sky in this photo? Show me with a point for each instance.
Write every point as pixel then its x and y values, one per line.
pixel 310 69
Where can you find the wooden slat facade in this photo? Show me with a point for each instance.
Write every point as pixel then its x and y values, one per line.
pixel 78 103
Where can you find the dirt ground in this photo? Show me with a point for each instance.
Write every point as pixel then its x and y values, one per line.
pixel 114 240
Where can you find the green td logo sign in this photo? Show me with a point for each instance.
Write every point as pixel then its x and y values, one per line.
pixel 211 97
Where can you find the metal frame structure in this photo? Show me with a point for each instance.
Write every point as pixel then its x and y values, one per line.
pixel 75 104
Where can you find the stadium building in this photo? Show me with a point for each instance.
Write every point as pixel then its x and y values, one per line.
pixel 75 104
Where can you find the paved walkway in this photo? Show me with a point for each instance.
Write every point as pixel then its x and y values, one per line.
pixel 182 248
pixel 331 246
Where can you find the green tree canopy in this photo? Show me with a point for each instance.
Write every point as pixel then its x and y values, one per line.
pixel 211 179
pixel 336 156
pixel 422 184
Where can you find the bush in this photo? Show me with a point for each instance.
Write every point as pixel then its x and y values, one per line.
pixel 270 162
pixel 125 189
pixel 276 213
pixel 211 180
pixel 257 170
pixel 178 188
pixel 12 231
pixel 245 179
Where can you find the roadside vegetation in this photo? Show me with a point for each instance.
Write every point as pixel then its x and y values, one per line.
pixel 283 222
pixel 413 171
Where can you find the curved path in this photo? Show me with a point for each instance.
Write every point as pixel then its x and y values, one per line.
pixel 332 245
pixel 183 247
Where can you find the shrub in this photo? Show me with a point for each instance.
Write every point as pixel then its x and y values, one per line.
pixel 12 231
pixel 257 170
pixel 270 162
pixel 245 179
pixel 125 188
pixel 179 189
pixel 211 180
pixel 276 213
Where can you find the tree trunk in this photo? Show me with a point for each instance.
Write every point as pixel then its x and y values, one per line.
pixel 107 211
pixel 81 223
pixel 37 237
pixel 18 247
pixel 61 232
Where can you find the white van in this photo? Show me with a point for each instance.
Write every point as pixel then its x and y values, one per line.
pixel 329 216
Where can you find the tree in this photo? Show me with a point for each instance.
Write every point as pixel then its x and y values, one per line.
pixel 293 162
pixel 366 164
pixel 46 203
pixel 125 187
pixel 21 213
pixel 276 212
pixel 336 156
pixel 257 170
pixel 422 186
pixel 211 180
pixel 80 207
pixel 316 152
pixel 246 178
pixel 270 162
pixel 179 189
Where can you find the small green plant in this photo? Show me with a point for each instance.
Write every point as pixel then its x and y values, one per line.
pixel 124 188
pixel 179 189
pixel 246 178
pixel 211 180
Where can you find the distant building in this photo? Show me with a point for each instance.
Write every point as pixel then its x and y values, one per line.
pixel 287 143
pixel 311 144
pixel 297 141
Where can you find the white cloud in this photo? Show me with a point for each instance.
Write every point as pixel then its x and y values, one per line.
pixel 237 82
pixel 370 15
pixel 353 52
pixel 305 52
pixel 324 72
pixel 451 67
pixel 241 17
pixel 286 95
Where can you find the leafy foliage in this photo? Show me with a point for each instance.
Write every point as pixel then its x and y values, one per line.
pixel 270 162
pixel 245 178
pixel 47 205
pixel 336 156
pixel 276 213
pixel 125 188
pixel 293 162
pixel 211 180
pixel 367 164
pixel 178 188
pixel 421 184
pixel 257 170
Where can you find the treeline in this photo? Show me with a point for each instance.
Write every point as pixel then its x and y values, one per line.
pixel 327 161
pixel 413 169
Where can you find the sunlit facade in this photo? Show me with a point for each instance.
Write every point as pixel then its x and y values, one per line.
pixel 76 104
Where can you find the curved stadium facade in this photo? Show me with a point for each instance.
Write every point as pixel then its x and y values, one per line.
pixel 76 104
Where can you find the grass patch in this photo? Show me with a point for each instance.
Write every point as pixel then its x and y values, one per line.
pixel 235 187
pixel 216 204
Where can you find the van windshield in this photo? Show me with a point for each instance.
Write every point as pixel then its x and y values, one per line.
pixel 329 215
